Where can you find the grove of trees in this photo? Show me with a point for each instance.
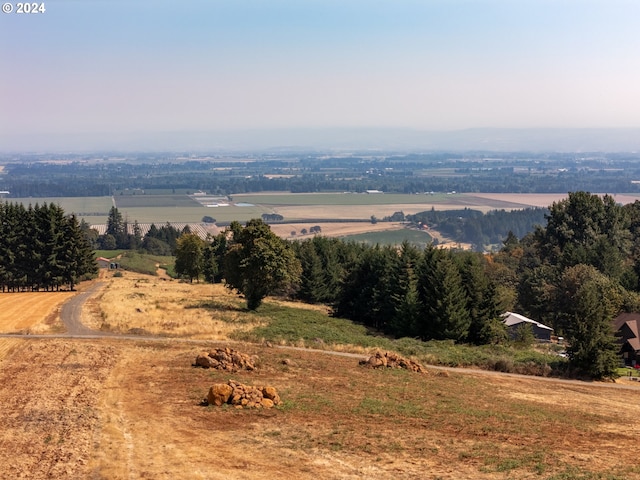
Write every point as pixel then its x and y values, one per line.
pixel 41 248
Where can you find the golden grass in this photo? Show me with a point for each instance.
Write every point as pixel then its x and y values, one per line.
pixel 145 304
pixel 32 312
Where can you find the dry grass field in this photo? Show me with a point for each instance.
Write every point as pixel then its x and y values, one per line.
pixel 30 312
pixel 136 303
pixel 332 229
pixel 109 408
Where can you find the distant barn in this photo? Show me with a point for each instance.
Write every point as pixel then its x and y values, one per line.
pixel 514 320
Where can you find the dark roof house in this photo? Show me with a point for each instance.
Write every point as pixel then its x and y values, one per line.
pixel 627 328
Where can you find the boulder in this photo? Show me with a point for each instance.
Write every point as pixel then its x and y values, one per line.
pixel 226 359
pixel 219 394
pixel 242 396
pixel 392 360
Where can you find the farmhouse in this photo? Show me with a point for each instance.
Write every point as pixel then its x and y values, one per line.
pixel 513 321
pixel 627 330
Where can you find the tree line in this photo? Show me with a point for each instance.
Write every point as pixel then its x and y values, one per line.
pixel 41 248
pixel 472 226
pixel 406 174
pixel 157 241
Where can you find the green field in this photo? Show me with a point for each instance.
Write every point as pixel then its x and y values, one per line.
pixel 81 206
pixel 154 201
pixel 392 237
pixel 179 208
pixel 341 199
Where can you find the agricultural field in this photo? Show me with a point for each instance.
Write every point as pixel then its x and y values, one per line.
pixel 120 408
pixel 31 312
pixel 297 209
pixel 393 237
pixel 89 208
pixel 160 209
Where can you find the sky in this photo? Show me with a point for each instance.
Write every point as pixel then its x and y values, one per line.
pixel 111 68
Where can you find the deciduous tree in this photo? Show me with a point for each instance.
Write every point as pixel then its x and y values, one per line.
pixel 259 263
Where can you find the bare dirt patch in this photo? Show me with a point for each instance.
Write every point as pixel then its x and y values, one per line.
pixel 120 410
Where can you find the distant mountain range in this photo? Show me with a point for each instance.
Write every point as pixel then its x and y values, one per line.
pixel 353 139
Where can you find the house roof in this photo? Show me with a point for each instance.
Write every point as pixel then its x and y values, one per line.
pixel 510 319
pixel 623 318
pixel 627 324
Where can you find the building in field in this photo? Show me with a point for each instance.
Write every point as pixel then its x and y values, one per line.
pixel 514 321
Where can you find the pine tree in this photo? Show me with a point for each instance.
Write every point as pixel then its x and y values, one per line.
pixel 408 306
pixel 591 302
pixel 441 291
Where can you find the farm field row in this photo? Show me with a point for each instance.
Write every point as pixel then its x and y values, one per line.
pixel 160 209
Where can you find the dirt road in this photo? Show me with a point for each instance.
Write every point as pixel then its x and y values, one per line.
pixel 71 313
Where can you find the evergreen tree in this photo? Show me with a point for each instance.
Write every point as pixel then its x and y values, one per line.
pixel 115 224
pixel 592 300
pixel 311 278
pixel 441 292
pixel 213 256
pixel 408 307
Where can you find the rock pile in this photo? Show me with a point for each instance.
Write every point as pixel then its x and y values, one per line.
pixel 242 396
pixel 392 360
pixel 226 359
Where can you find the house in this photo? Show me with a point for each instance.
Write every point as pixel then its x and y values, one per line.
pixel 626 326
pixel 514 320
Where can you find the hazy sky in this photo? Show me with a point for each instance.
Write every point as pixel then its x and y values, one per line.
pixel 91 66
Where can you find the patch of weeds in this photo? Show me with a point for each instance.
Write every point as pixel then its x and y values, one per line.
pixel 217 306
pixel 372 406
pixel 48 439
pixel 286 406
pixel 335 446
pixel 508 465
pixel 465 456
pixel 314 402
